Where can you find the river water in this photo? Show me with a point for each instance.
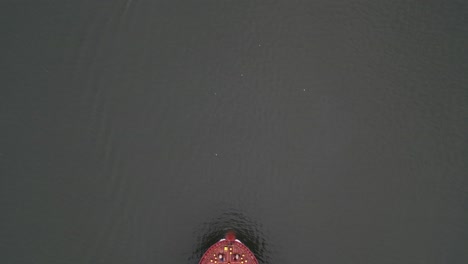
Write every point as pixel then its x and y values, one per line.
pixel 139 131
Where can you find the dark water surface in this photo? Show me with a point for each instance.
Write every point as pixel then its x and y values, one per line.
pixel 140 131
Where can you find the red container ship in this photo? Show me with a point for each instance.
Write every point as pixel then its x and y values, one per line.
pixel 228 251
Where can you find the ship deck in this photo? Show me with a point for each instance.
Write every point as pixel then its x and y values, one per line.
pixel 228 252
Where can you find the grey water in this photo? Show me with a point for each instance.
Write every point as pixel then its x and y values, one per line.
pixel 139 131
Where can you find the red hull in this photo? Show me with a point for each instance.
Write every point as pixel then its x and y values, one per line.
pixel 228 251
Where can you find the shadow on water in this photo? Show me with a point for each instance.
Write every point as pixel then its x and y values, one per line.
pixel 247 230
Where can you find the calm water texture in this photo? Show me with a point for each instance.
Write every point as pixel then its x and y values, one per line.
pixel 321 131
